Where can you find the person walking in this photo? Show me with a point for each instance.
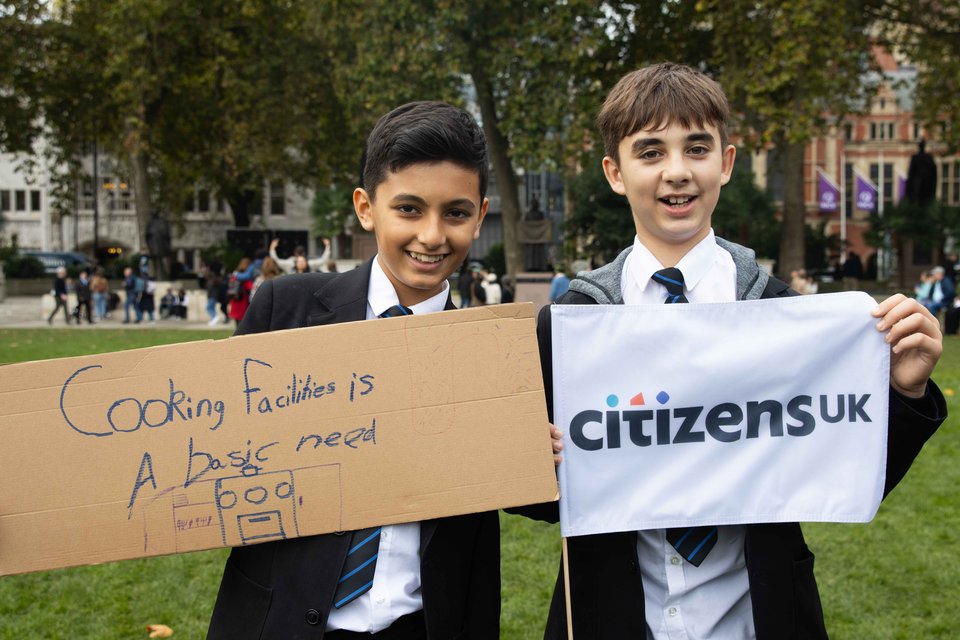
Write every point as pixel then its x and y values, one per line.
pixel 60 295
pixel 101 293
pixel 83 298
pixel 130 295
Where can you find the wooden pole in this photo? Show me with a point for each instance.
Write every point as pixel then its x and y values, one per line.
pixel 566 587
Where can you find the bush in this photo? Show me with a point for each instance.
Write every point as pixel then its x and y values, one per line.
pixel 18 266
pixel 224 253
pixel 496 259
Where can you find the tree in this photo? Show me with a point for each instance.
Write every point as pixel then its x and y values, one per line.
pixel 744 214
pixel 792 70
pixel 923 225
pixel 225 93
pixel 599 218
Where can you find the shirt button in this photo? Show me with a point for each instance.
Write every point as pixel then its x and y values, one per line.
pixel 381 600
pixel 675 560
pixel 672 611
pixel 313 617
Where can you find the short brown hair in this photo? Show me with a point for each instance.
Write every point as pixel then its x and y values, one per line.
pixel 660 95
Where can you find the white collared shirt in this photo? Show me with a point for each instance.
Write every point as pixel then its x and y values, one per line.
pixel 396 580
pixel 683 601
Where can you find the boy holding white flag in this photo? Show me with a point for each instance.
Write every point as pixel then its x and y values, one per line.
pixel 665 135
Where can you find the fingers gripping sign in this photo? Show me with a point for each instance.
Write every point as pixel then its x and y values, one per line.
pixel 915 340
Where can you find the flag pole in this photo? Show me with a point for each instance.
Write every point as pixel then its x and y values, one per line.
pixel 566 587
pixel 843 207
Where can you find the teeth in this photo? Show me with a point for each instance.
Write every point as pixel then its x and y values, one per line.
pixel 683 200
pixel 422 257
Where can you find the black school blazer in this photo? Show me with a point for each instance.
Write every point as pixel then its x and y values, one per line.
pixel 280 590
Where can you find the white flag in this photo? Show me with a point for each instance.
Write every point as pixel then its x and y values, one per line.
pixel 728 413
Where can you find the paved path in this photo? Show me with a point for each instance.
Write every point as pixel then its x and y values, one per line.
pixel 27 312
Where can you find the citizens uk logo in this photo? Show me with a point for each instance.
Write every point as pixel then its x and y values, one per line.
pixel 641 425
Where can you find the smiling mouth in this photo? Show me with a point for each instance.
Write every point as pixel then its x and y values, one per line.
pixel 677 201
pixel 426 258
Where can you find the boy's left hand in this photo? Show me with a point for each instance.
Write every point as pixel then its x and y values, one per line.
pixel 557 438
pixel 915 340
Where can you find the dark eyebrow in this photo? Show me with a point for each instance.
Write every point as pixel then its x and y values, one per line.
pixel 463 203
pixel 700 136
pixel 641 143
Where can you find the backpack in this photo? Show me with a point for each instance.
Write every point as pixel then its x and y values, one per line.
pixel 234 289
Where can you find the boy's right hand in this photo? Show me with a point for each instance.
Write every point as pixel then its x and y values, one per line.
pixel 274 243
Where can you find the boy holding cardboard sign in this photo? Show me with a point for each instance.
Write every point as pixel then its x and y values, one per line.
pixel 667 151
pixel 424 174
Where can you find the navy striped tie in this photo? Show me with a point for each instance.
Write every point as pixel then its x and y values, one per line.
pixel 672 280
pixel 356 577
pixel 693 543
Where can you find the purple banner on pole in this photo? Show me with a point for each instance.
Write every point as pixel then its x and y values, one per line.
pixel 901 187
pixel 828 193
pixel 866 194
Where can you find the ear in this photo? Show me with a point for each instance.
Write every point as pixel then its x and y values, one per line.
pixel 726 169
pixel 614 177
pixel 483 214
pixel 362 206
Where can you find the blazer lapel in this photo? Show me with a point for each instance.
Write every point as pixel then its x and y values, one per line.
pixel 342 299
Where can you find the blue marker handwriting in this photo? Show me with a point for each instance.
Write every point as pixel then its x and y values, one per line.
pixel 129 414
pixel 299 390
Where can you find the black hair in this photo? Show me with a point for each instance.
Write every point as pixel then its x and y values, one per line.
pixel 423 132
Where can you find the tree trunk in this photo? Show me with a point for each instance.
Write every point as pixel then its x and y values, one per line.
pixel 244 203
pixel 794 210
pixel 141 194
pixel 503 170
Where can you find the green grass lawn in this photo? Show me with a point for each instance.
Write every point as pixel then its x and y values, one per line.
pixel 897 577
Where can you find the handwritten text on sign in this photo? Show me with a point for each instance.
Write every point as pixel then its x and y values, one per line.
pixel 269 436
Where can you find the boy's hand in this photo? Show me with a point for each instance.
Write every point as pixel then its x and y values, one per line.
pixel 557 438
pixel 915 340
pixel 274 243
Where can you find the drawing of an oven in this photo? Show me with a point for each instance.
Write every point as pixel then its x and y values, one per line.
pixel 256 508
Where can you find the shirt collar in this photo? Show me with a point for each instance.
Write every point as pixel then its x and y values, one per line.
pixel 694 265
pixel 381 295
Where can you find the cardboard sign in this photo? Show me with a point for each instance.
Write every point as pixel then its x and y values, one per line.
pixel 717 414
pixel 270 436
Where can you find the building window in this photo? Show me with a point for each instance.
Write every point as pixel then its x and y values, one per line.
pixel 34 200
pixel 4 200
pixel 848 131
pixel 278 201
pixel 882 130
pixel 20 200
pixel 203 201
pixel 886 186
pixel 950 182
pixel 917 131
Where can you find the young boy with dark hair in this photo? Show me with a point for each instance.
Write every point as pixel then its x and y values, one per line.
pixel 424 180
pixel 664 130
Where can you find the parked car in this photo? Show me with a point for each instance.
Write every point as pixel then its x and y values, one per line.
pixel 53 260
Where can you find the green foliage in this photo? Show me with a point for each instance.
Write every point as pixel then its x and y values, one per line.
pixel 745 214
pixel 332 208
pixel 20 266
pixel 601 219
pixel 925 225
pixel 224 253
pixel 496 260
pixel 16 265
